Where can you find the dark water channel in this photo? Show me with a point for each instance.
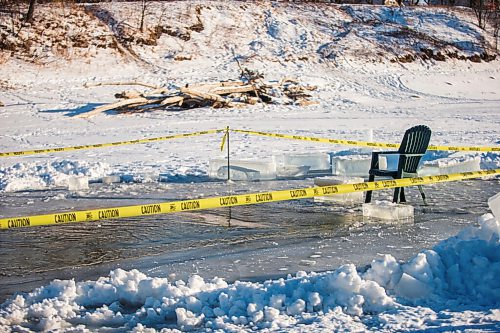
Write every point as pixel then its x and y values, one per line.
pixel 245 243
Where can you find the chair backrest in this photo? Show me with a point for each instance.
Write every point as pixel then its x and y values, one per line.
pixel 415 141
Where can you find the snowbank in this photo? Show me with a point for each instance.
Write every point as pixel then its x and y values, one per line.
pixel 458 274
pixel 37 176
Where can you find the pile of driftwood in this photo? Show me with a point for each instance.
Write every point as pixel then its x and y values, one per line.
pixel 215 94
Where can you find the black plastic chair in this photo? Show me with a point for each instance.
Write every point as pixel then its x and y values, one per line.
pixel 411 150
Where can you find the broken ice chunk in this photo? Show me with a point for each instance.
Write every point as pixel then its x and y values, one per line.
pixel 494 203
pixel 354 165
pixel 241 169
pixel 315 161
pixel 78 183
pixel 387 210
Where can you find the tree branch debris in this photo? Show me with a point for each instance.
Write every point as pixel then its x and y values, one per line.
pixel 249 90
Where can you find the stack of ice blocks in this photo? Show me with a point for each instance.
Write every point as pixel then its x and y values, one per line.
pixel 451 165
pixel 299 165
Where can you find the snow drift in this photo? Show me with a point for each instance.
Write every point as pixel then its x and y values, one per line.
pixel 459 273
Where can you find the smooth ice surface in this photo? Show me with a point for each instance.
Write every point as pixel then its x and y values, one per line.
pixel 351 166
pixel 78 183
pixel 387 210
pixel 242 169
pixel 494 204
pixel 315 161
pixel 347 198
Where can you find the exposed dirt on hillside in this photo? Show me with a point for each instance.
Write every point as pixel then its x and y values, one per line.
pixel 180 31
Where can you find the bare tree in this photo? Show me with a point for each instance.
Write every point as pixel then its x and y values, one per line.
pixel 144 7
pixel 494 19
pixel 481 10
pixel 31 10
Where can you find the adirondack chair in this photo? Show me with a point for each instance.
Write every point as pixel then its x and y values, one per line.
pixel 411 150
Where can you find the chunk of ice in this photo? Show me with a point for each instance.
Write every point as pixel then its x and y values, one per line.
pixel 78 183
pixel 315 161
pixel 347 198
pixel 242 169
pixel 110 179
pixel 292 171
pixel 494 203
pixel 356 165
pixel 387 210
pixel 238 173
pixel 445 166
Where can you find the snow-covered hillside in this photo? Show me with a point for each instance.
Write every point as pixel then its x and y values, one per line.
pixel 252 31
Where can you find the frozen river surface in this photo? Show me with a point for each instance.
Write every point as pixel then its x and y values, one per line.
pixel 251 243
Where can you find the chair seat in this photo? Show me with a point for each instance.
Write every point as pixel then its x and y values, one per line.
pixel 384 173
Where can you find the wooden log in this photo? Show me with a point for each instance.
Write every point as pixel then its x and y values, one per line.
pixel 172 100
pixel 305 102
pixel 209 85
pixel 230 90
pixel 128 94
pixel 112 106
pixel 159 91
pixel 204 95
pixel 128 83
pixel 149 102
pixel 286 80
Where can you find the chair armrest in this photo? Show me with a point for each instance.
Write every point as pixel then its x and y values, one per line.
pixel 411 155
pixel 385 152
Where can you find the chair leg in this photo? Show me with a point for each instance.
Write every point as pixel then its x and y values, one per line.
pixel 368 197
pixel 395 198
pixel 423 195
pixel 402 197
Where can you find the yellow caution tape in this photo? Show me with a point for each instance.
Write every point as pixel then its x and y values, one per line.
pixel 224 138
pixel 229 201
pixel 363 143
pixel 104 145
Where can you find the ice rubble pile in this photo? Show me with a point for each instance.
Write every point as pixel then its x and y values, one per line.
pixel 459 270
pixel 35 176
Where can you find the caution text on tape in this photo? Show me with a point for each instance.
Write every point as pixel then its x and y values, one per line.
pixel 229 201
